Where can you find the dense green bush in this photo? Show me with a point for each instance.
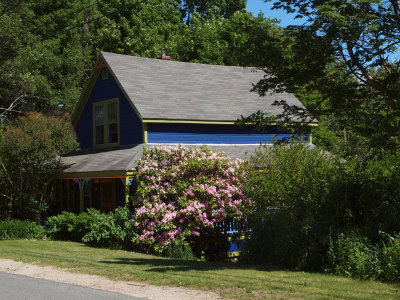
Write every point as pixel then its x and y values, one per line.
pixel 354 255
pixel 109 230
pixel 60 227
pixel 30 149
pixel 274 241
pixel 390 259
pixel 179 250
pixel 304 197
pixel 290 185
pixel 93 227
pixel 17 229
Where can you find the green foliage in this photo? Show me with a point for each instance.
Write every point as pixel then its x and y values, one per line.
pixel 291 177
pixel 389 257
pixel 109 230
pixel 305 196
pixel 17 229
pixel 241 40
pixel 92 227
pixel 274 241
pixel 59 227
pixel 179 250
pixel 354 255
pixel 291 186
pixel 30 150
pixel 68 226
pixel 45 66
pixel 209 8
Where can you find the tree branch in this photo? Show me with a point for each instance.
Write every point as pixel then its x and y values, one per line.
pixel 10 108
pixel 395 5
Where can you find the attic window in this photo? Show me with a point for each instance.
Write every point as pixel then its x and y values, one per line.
pixel 104 74
pixel 106 123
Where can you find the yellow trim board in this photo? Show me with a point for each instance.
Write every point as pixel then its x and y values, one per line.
pixel 241 238
pixel 145 135
pixel 126 190
pixel 234 254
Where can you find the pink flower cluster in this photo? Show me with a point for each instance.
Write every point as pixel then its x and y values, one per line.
pixel 182 190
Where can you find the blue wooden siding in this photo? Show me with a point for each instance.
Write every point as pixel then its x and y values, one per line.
pixel 210 134
pixel 130 125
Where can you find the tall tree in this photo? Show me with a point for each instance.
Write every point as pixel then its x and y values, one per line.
pixel 345 55
pixel 240 40
pixel 30 150
pixel 209 8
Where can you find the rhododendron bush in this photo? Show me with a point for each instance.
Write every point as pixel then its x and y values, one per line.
pixel 182 191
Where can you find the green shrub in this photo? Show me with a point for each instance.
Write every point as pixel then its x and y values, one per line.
pixel 274 241
pixel 291 186
pixel 83 224
pixel 17 229
pixel 390 259
pixel 93 227
pixel 179 250
pixel 30 149
pixel 354 256
pixel 60 227
pixel 108 230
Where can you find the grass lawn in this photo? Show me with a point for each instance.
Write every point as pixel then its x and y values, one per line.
pixel 227 279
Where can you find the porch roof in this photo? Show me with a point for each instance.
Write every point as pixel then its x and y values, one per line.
pixel 124 158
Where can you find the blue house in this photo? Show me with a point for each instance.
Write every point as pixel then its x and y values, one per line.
pixel 134 102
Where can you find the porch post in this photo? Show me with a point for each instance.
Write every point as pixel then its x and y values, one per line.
pixel 126 190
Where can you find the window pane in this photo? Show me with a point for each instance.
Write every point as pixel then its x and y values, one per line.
pixel 100 134
pixel 113 133
pixel 99 115
pixel 112 112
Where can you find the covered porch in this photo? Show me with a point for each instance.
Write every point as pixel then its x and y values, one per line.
pixel 77 193
pixel 96 178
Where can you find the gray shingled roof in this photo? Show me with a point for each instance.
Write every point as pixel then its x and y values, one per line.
pixel 124 158
pixel 172 90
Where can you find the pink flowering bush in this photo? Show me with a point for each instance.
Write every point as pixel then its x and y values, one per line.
pixel 182 191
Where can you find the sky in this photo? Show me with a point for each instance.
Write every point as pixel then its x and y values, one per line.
pixel 255 6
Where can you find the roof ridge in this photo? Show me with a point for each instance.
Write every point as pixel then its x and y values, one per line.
pixel 177 61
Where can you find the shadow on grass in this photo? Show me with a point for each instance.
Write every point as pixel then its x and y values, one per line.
pixel 166 265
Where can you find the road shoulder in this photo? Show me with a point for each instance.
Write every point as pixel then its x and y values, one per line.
pixel 136 289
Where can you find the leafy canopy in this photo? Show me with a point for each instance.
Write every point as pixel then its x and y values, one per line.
pixel 30 150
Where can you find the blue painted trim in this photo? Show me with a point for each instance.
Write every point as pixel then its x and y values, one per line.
pixel 210 134
pixel 236 246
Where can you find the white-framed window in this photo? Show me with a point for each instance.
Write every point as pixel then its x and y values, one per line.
pixel 106 123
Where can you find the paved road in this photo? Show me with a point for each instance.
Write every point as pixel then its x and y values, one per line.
pixel 20 287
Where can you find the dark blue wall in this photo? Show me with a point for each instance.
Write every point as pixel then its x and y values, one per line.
pixel 209 134
pixel 130 125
